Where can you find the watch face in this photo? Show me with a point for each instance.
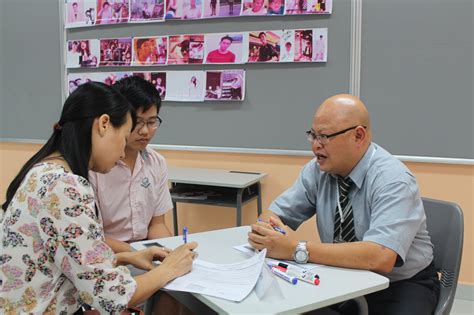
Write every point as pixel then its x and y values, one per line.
pixel 301 256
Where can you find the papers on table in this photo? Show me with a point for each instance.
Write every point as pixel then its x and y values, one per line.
pixel 228 281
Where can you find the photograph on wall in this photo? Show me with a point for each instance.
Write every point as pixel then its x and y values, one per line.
pixel 230 8
pixel 116 52
pixel 74 80
pixel 110 78
pixel 174 9
pixel 185 86
pixel 149 51
pixel 319 7
pixel 287 48
pixel 211 8
pixel 192 9
pixel 254 7
pixel 147 10
pixel 308 7
pixel 82 53
pixel 320 44
pixel 224 47
pixel 226 85
pixel 158 79
pixel 178 49
pixel 264 46
pixel 196 48
pixel 112 11
pixel 303 45
pixel 276 7
pixel 80 13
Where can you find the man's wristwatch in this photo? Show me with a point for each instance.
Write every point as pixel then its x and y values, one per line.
pixel 301 254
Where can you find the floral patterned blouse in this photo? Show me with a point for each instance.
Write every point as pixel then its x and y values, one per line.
pixel 53 257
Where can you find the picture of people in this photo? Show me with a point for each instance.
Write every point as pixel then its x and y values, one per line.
pixel 192 10
pixel 159 80
pixel 174 9
pixel 287 53
pixel 74 80
pixel 147 10
pixel 308 7
pixel 264 46
pixel 224 48
pixel 110 78
pixel 320 6
pixel 296 6
pixel 150 50
pixel 196 48
pixel 112 11
pixel 320 46
pixel 230 8
pixel 178 52
pixel 211 8
pixel 75 12
pixel 225 85
pixel 116 52
pixel 185 86
pixel 276 7
pixel 303 45
pixel 255 7
pixel 80 13
pixel 82 53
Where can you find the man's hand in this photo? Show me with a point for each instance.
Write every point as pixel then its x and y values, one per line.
pixel 278 245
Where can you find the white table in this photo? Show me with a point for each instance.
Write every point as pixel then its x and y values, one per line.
pixel 228 188
pixel 337 284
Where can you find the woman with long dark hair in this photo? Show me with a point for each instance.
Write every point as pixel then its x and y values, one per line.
pixel 53 258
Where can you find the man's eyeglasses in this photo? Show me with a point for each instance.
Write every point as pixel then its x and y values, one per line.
pixel 152 123
pixel 323 138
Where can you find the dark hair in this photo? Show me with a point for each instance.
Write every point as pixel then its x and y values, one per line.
pixel 140 42
pixel 139 92
pixel 262 33
pixel 72 135
pixel 228 38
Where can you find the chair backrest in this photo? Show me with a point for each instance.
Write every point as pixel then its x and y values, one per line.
pixel 445 225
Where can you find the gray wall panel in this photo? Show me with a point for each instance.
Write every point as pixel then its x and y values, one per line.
pixel 416 78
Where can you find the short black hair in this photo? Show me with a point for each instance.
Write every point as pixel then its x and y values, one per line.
pixel 262 33
pixel 228 38
pixel 139 92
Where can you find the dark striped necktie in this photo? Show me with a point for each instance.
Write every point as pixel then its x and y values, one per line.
pixel 344 229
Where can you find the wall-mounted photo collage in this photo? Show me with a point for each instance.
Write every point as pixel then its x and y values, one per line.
pixel 84 13
pixel 177 86
pixel 267 46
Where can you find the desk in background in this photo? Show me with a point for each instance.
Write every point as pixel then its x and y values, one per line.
pixel 214 187
pixel 337 284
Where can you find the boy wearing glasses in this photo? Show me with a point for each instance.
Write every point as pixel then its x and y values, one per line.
pixel 134 197
pixel 369 213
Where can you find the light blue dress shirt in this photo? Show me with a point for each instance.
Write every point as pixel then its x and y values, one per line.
pixel 386 204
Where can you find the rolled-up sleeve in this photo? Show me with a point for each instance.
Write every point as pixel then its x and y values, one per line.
pixel 298 203
pixel 397 214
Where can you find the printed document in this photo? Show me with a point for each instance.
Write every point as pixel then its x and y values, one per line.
pixel 227 281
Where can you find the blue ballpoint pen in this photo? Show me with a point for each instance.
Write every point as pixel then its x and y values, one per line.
pixel 276 228
pixel 185 235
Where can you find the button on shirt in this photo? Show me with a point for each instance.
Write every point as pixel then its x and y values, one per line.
pixel 128 201
pixel 386 205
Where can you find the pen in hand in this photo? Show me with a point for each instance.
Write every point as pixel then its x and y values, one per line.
pixel 276 228
pixel 185 235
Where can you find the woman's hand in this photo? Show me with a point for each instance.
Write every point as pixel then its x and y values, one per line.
pixel 180 261
pixel 144 258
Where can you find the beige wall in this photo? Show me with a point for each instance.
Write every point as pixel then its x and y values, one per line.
pixel 448 182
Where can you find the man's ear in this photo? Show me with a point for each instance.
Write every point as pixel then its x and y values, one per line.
pixel 103 124
pixel 360 134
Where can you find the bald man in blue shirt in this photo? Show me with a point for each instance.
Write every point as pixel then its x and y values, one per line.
pixel 368 208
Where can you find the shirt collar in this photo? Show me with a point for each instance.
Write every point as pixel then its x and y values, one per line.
pixel 360 170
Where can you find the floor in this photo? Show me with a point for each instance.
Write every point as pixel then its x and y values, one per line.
pixel 462 307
